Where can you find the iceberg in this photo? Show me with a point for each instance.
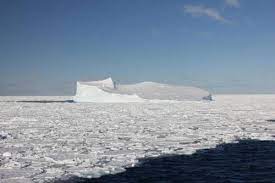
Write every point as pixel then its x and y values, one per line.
pixel 107 91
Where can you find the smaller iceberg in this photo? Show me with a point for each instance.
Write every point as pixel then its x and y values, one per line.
pixel 107 91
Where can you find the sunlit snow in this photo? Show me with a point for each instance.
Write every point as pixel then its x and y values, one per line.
pixel 41 141
pixel 107 91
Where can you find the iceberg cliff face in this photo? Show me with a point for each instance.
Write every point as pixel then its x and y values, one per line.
pixel 107 91
pixel 88 92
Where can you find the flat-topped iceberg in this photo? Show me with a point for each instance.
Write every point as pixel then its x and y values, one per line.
pixel 107 91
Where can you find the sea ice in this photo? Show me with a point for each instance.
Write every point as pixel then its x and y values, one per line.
pixel 50 141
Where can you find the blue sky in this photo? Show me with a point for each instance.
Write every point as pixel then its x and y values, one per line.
pixel 224 46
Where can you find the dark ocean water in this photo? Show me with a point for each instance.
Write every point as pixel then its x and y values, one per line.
pixel 245 161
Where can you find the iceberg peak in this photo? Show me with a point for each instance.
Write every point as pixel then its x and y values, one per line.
pixel 106 83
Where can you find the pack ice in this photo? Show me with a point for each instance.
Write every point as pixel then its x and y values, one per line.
pixel 107 91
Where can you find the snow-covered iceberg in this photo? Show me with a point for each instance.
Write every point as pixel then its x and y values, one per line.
pixel 107 91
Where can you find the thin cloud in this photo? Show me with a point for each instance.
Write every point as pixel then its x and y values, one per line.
pixel 199 10
pixel 233 3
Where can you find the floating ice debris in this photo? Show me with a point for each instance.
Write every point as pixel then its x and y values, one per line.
pixel 6 154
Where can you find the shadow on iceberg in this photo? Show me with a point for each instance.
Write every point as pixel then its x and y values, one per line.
pixel 245 161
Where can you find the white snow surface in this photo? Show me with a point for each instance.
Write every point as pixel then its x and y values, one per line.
pixel 87 92
pixel 107 91
pixel 41 142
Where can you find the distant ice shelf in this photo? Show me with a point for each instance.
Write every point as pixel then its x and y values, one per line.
pixel 106 91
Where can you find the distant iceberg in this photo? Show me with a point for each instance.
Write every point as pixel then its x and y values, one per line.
pixel 107 91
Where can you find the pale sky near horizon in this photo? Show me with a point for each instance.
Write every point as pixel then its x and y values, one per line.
pixel 224 46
